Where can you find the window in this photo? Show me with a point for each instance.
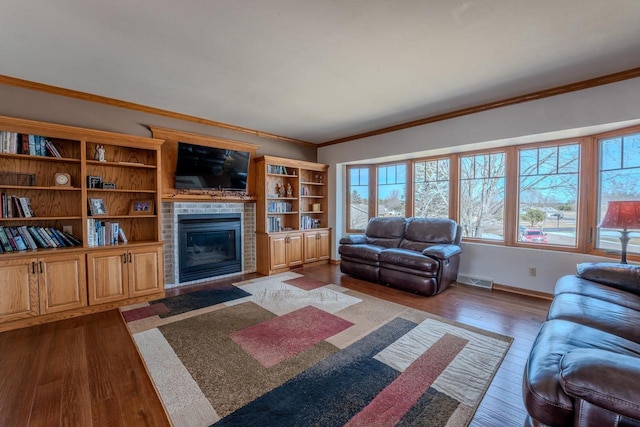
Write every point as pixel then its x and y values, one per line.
pixel 619 179
pixel 548 189
pixel 431 188
pixel 482 193
pixel 549 194
pixel 358 208
pixel 392 189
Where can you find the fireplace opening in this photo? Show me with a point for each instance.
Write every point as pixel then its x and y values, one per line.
pixel 209 245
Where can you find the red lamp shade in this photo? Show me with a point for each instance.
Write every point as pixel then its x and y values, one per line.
pixel 624 215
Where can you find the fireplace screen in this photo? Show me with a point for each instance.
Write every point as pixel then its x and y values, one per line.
pixel 209 245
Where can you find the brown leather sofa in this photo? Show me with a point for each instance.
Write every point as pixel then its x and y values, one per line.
pixel 419 255
pixel 584 366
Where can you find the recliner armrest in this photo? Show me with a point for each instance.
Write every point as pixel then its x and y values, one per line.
pixel 442 252
pixel 621 276
pixel 606 379
pixel 354 239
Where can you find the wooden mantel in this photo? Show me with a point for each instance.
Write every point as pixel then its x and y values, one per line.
pixel 169 153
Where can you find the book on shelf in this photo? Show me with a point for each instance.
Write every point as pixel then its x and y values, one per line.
pixel 17 239
pixel 122 236
pixel 45 236
pixel 26 236
pixel 51 148
pixel 4 240
pixel 25 207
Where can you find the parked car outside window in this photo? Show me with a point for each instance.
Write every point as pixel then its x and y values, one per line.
pixel 532 235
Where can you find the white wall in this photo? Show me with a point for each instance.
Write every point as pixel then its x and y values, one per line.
pixel 574 114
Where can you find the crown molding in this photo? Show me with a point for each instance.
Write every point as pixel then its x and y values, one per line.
pixel 26 84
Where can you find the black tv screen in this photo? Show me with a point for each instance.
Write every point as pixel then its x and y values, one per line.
pixel 201 167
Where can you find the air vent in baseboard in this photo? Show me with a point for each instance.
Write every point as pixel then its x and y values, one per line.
pixel 480 282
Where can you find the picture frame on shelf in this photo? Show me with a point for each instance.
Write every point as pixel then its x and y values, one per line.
pixel 97 207
pixel 141 207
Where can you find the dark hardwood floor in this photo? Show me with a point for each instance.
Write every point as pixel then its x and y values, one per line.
pixel 87 372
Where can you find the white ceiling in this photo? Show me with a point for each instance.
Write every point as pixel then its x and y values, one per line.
pixel 315 70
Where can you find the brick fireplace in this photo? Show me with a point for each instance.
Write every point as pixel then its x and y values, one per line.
pixel 171 214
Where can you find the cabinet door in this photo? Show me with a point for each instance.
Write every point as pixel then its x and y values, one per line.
pixel 107 276
pixel 145 271
pixel 294 249
pixel 277 252
pixel 324 245
pixel 62 282
pixel 310 247
pixel 18 289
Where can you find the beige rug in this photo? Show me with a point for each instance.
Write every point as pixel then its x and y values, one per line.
pixel 288 350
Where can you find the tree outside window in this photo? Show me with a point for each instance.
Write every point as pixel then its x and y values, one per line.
pixel 392 181
pixel 548 189
pixel 431 188
pixel 482 193
pixel 358 198
pixel 619 179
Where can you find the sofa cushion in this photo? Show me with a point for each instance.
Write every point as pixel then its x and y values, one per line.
pixel 397 258
pixel 577 285
pixel 423 232
pixel 607 379
pixel 621 276
pixel 388 228
pixel 544 397
pixel 596 313
pixel 365 252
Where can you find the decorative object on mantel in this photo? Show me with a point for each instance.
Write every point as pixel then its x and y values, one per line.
pixel 625 216
pixel 214 194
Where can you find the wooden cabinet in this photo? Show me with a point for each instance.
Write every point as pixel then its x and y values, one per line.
pixel 62 173
pixel 316 246
pixel 145 271
pixel 291 204
pixel 19 290
pixel 285 250
pixel 119 274
pixel 33 286
pixel 62 281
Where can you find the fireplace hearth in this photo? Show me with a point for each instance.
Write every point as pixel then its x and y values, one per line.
pixel 209 245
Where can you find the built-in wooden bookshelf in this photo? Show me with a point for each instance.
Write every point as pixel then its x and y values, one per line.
pixel 291 215
pixel 64 277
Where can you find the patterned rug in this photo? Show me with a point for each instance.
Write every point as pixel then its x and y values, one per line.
pixel 286 350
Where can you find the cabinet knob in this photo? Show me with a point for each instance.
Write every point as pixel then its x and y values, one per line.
pixel 124 258
pixel 40 266
pixel 33 267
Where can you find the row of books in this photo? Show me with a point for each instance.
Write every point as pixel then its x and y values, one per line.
pixel 307 222
pixel 22 238
pixel 103 233
pixel 274 223
pixel 15 207
pixel 34 145
pixel 278 207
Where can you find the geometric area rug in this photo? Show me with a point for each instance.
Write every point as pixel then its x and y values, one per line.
pixel 286 350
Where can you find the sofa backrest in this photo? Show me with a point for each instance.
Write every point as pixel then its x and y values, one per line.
pixel 421 233
pixel 385 232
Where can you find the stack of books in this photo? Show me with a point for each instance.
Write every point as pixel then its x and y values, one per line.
pixel 22 238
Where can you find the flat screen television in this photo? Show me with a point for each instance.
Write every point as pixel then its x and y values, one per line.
pixel 201 167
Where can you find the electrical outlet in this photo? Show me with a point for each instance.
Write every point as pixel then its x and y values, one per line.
pixel 67 229
pixel 532 271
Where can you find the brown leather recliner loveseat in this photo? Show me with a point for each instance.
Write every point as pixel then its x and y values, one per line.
pixel 584 366
pixel 419 255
